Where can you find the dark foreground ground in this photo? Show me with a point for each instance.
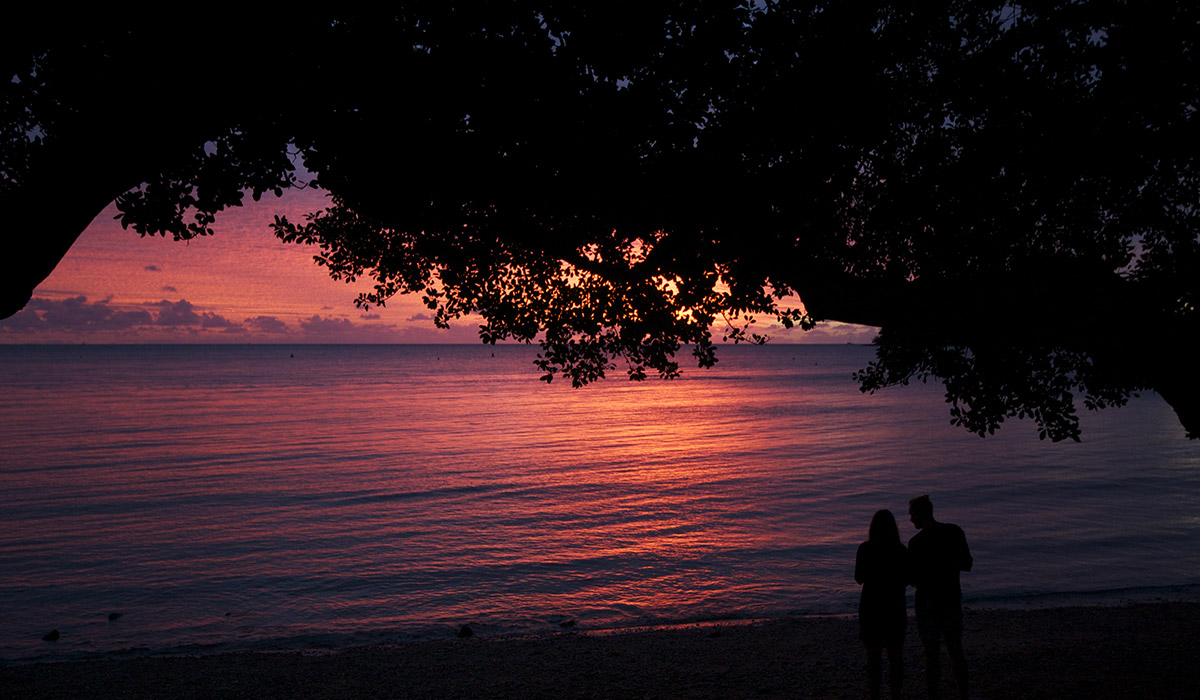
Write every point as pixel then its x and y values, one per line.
pixel 1138 651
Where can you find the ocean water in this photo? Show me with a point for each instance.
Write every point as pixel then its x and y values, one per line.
pixel 228 497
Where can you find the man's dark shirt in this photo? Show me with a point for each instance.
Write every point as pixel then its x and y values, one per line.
pixel 936 555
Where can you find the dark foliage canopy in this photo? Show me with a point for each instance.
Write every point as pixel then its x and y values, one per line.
pixel 1009 193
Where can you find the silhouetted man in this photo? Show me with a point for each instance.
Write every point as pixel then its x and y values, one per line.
pixel 936 554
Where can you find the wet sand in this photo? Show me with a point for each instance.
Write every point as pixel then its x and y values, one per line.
pixel 1135 651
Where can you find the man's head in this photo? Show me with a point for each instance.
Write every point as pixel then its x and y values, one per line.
pixel 920 511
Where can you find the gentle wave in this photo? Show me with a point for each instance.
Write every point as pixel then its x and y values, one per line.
pixel 233 497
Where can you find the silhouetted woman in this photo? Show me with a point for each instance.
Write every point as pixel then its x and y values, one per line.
pixel 882 569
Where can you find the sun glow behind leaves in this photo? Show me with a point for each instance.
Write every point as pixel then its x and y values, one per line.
pixel 244 285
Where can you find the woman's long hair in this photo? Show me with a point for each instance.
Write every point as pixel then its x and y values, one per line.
pixel 883 528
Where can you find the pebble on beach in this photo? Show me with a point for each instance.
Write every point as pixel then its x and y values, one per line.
pixel 465 631
pixel 51 636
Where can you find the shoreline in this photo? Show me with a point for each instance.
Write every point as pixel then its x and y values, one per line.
pixel 1128 651
pixel 335 642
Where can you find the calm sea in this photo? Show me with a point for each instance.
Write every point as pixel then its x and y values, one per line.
pixel 223 497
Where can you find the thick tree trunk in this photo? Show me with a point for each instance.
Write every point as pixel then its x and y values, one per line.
pixel 46 216
pixel 74 177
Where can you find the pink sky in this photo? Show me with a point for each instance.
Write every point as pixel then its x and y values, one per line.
pixel 241 285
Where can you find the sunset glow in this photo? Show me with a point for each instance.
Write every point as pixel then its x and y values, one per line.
pixel 600 350
pixel 241 285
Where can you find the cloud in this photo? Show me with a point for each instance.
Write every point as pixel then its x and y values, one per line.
pixel 179 313
pixel 211 320
pixel 76 314
pixel 267 324
pixel 168 288
pixel 326 327
pixel 77 318
pixel 825 332
pixel 25 320
pixel 332 329
pixel 420 317
pixel 151 268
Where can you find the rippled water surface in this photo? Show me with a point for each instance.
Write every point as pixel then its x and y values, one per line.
pixel 219 497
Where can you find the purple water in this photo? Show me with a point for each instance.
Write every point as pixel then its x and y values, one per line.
pixel 223 497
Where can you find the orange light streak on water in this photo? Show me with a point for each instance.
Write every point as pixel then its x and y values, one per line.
pixel 373 490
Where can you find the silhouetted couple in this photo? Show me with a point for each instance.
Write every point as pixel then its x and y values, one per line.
pixel 931 563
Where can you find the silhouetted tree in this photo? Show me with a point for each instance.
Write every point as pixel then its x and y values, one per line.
pixel 1009 194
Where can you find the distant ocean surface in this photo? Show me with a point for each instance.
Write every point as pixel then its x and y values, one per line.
pixel 229 497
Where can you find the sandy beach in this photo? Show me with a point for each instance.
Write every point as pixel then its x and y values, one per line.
pixel 1133 651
